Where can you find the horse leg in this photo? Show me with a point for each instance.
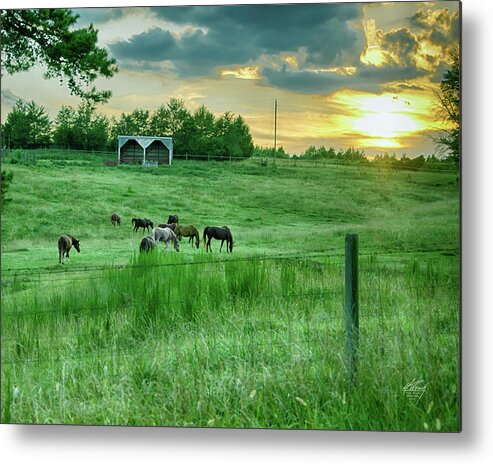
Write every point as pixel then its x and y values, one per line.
pixel 222 241
pixel 208 244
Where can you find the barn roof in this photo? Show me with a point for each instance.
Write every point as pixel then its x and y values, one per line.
pixel 144 141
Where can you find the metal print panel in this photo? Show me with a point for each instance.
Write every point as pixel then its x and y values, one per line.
pixel 241 216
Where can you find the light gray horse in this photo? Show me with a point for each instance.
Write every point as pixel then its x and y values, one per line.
pixel 165 235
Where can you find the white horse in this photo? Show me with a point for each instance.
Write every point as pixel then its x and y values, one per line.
pixel 165 235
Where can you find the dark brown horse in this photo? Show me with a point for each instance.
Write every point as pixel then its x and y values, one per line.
pixel 173 219
pixel 188 231
pixel 144 223
pixel 219 233
pixel 65 243
pixel 115 219
pixel 167 226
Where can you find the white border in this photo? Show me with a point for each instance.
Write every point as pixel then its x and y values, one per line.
pixel 54 444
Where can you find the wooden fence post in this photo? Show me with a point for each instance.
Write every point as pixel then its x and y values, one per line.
pixel 352 310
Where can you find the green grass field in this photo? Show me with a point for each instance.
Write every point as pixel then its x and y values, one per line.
pixel 251 339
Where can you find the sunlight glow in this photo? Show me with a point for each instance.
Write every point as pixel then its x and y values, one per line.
pixel 247 72
pixel 382 120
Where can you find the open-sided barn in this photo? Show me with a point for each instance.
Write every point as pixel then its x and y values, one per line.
pixel 142 149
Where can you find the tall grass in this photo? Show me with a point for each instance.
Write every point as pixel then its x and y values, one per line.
pixel 255 343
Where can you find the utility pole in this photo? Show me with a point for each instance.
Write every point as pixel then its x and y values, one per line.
pixel 275 130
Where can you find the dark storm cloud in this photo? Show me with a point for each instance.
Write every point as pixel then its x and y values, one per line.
pixel 236 35
pixel 305 81
pixel 153 45
pixel 402 45
pixel 367 78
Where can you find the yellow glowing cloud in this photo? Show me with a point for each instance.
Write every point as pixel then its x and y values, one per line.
pixel 373 54
pixel 247 72
pixel 291 60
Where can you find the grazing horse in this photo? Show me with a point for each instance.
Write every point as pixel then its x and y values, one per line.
pixel 188 231
pixel 147 244
pixel 115 219
pixel 167 226
pixel 144 223
pixel 165 235
pixel 65 242
pixel 219 233
pixel 173 219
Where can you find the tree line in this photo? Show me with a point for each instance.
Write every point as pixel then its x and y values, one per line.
pixel 196 133
pixel 352 155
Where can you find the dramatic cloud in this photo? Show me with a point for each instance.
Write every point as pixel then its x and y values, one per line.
pixel 440 28
pixel 238 35
pixel 369 78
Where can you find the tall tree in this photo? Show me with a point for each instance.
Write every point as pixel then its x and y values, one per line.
pixel 170 120
pixel 27 126
pixel 47 36
pixel 82 128
pixel 448 109
pixel 135 123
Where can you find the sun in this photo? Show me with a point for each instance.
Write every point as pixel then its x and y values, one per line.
pixel 380 121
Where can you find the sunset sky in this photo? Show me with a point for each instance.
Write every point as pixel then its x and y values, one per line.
pixel 345 74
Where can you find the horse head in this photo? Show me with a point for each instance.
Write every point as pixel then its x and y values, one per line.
pixel 76 244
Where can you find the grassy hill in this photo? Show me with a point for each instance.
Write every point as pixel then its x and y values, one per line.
pixel 243 340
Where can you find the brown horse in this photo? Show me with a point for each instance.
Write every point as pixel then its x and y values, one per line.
pixel 219 233
pixel 188 231
pixel 65 242
pixel 115 219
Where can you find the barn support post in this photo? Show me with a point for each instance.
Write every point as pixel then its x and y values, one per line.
pixel 352 307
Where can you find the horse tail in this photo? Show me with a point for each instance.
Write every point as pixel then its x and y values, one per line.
pixel 60 248
pixel 205 236
pixel 197 237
